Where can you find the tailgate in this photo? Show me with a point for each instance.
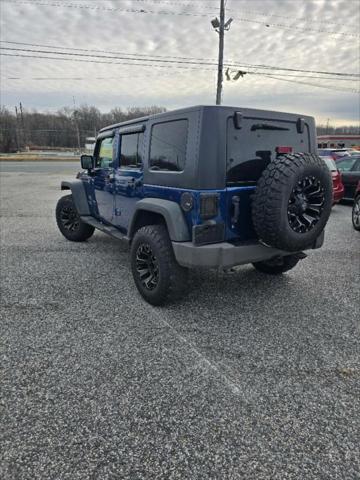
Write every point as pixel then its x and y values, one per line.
pixel 251 143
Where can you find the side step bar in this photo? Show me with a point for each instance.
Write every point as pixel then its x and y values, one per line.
pixel 112 231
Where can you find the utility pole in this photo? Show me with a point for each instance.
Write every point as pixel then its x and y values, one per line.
pixel 220 27
pixel 17 130
pixel 77 126
pixel 327 126
pixel 221 53
pixel 25 140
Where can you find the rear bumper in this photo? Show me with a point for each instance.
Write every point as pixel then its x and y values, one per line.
pixel 226 255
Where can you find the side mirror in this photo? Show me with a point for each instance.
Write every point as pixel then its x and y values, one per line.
pixel 87 162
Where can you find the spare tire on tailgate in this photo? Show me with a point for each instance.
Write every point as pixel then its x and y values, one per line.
pixel 292 201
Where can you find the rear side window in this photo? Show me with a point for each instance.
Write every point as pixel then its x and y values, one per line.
pixel 168 146
pixel 130 150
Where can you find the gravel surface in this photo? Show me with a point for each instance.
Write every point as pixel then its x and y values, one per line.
pixel 249 377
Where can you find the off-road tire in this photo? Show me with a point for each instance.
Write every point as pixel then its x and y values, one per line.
pixel 277 266
pixel 355 216
pixel 276 189
pixel 69 221
pixel 171 281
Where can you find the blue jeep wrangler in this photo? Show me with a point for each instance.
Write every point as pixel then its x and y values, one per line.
pixel 205 186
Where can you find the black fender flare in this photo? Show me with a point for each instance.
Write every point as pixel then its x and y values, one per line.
pixel 170 211
pixel 79 195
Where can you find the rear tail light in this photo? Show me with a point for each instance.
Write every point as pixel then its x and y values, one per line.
pixel 209 205
pixel 280 150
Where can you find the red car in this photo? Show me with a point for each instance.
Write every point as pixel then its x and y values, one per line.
pixel 338 187
pixel 350 174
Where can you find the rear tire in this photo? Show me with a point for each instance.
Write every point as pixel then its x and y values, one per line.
pixel 157 275
pixel 69 221
pixel 277 266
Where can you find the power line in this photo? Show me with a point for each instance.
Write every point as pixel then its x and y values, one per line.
pixel 106 63
pixel 340 89
pixel 171 75
pixel 266 75
pixel 31 50
pixel 172 13
pixel 107 51
pixel 185 60
pixel 250 12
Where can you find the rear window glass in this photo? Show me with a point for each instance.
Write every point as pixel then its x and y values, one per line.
pixel 330 163
pixel 168 146
pixel 251 148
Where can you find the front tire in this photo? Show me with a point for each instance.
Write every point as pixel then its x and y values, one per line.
pixel 157 275
pixel 356 213
pixel 69 221
pixel 277 266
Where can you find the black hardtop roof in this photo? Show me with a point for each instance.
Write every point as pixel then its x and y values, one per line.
pixel 245 111
pixel 147 117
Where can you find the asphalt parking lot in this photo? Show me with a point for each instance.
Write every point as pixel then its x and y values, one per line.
pixel 249 377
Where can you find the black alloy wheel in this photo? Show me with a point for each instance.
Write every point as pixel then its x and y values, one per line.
pixel 69 221
pixel 356 213
pixel 147 266
pixel 306 204
pixel 69 218
pixel 157 275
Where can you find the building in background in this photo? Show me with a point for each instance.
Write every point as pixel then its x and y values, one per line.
pixel 338 141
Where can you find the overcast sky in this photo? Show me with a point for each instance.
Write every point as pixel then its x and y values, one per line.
pixel 300 35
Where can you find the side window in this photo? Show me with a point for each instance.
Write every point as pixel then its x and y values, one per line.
pixel 130 150
pixel 168 146
pixel 356 167
pixel 105 153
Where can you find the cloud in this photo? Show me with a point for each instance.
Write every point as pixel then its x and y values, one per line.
pixel 292 40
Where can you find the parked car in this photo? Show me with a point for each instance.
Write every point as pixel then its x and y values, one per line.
pixel 338 187
pixel 356 209
pixel 202 186
pixel 350 172
pixel 335 153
